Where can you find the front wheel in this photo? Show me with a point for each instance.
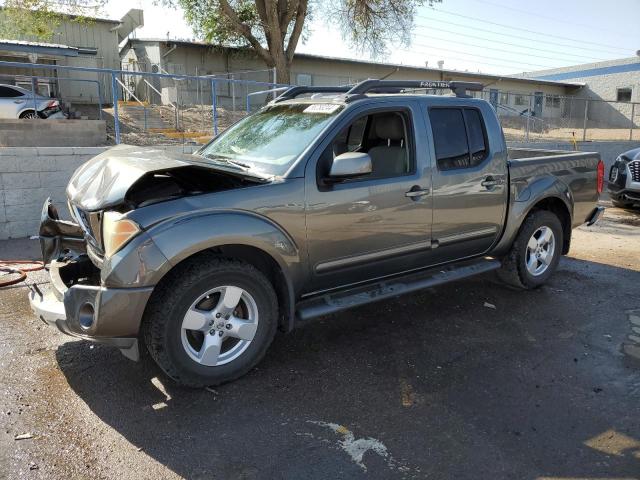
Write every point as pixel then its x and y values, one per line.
pixel 535 253
pixel 211 321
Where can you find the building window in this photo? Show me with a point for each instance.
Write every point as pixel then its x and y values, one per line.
pixel 504 98
pixel 624 95
pixel 304 80
pixel 552 101
pixel 521 100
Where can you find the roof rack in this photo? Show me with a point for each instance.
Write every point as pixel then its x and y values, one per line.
pixel 355 92
pixel 293 92
pixel 396 86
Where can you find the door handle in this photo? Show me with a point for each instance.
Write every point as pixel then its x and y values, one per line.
pixel 417 192
pixel 18 101
pixel 490 183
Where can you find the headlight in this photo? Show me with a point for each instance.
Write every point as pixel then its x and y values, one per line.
pixel 116 232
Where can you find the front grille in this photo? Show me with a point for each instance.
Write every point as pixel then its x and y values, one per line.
pixel 91 224
pixel 634 169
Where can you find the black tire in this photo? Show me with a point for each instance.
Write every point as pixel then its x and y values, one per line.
pixel 162 322
pixel 514 268
pixel 29 114
pixel 621 204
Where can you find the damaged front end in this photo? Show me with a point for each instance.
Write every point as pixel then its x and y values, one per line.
pixel 76 303
pixel 58 237
pixel 104 264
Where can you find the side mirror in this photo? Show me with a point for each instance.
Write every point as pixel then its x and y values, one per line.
pixel 350 165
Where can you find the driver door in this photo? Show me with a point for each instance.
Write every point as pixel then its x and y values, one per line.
pixel 369 227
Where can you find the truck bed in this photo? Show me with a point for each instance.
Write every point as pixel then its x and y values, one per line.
pixel 577 170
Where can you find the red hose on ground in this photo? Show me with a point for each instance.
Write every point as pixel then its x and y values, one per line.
pixel 5 266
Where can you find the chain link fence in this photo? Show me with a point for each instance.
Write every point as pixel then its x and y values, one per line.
pixel 146 104
pixel 543 117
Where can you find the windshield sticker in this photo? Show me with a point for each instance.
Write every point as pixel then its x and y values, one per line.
pixel 321 108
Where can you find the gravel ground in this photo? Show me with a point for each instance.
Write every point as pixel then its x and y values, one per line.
pixel 469 380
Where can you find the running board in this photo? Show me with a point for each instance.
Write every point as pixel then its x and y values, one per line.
pixel 391 287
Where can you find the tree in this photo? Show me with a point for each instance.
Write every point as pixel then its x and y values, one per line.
pixel 39 19
pixel 273 28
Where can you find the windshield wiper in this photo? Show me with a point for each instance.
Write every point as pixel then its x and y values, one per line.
pixel 228 161
pixel 245 168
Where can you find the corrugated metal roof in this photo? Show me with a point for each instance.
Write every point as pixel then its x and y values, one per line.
pixel 518 78
pixel 38 47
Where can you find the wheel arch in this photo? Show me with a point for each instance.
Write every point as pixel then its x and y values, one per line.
pixel 557 200
pixel 559 208
pixel 249 238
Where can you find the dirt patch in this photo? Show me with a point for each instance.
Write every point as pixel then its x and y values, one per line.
pixel 190 119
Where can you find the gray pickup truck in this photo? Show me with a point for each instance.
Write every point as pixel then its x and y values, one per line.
pixel 325 199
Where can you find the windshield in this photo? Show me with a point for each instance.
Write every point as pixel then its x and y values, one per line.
pixel 269 141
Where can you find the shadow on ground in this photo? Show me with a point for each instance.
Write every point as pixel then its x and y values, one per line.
pixel 537 387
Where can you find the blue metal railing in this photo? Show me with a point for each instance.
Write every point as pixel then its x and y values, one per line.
pixel 114 87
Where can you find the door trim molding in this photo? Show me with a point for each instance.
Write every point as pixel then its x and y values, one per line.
pixel 339 263
pixel 459 237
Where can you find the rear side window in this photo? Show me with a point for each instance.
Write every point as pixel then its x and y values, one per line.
pixel 475 132
pixel 6 92
pixel 458 137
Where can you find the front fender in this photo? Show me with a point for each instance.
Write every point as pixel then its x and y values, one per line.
pixel 179 238
pixel 542 188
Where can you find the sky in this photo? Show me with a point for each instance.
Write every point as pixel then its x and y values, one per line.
pixel 492 36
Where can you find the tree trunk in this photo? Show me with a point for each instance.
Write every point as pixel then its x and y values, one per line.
pixel 283 71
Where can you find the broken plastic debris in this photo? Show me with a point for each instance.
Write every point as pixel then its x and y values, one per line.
pixel 23 436
pixel 489 305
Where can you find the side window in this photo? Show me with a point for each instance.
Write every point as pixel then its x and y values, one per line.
pixel 385 136
pixel 356 134
pixel 449 138
pixel 458 137
pixel 475 131
pixel 6 92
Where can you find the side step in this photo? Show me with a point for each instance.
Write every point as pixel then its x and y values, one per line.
pixel 391 287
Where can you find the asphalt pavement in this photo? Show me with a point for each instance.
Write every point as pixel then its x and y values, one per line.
pixel 471 380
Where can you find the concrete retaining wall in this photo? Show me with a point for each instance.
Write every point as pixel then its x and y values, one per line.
pixel 52 133
pixel 29 175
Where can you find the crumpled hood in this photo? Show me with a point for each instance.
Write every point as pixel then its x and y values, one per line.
pixel 105 179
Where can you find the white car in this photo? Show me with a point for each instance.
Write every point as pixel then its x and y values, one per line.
pixel 18 102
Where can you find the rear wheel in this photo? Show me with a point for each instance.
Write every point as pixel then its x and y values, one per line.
pixel 211 321
pixel 30 114
pixel 535 253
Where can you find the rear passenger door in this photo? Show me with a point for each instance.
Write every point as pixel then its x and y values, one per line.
pixel 469 179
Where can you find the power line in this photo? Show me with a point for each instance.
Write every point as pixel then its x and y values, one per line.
pixel 448 57
pixel 525 30
pixel 481 56
pixel 548 17
pixel 510 35
pixel 499 49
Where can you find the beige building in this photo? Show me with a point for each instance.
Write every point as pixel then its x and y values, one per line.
pixel 613 87
pixel 514 95
pixel 93 43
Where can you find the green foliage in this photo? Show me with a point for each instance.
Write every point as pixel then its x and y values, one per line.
pixel 373 25
pixel 38 20
pixel 209 24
